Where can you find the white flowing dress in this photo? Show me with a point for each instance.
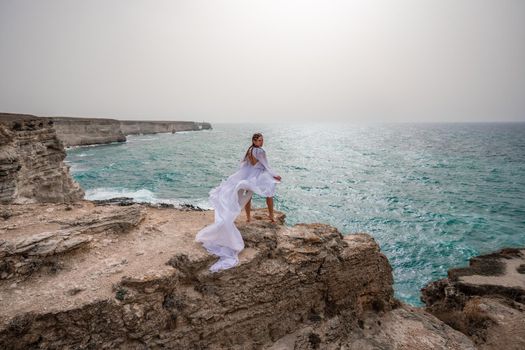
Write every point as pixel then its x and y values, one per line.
pixel 222 238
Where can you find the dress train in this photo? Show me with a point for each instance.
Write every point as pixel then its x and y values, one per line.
pixel 222 238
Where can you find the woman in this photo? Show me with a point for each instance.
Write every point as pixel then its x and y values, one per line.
pixel 222 238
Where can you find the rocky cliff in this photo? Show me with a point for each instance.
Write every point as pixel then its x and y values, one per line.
pixel 130 127
pixel 85 131
pixel 88 276
pixel 31 162
pixel 485 300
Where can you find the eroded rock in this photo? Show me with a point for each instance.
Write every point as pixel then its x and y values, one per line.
pixel 31 251
pixel 75 131
pixel 485 300
pixel 31 163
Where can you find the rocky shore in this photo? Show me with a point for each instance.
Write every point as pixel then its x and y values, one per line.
pixel 78 274
pixel 485 300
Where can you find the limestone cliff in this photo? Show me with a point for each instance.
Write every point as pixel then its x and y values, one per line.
pixel 31 162
pixel 85 131
pixel 130 127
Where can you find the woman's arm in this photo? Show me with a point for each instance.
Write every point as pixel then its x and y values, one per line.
pixel 260 155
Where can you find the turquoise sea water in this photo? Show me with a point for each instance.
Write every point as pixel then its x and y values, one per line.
pixel 432 195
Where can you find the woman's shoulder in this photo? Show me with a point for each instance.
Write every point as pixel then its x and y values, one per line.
pixel 258 150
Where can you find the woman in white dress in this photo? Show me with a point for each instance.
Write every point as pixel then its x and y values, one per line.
pixel 255 175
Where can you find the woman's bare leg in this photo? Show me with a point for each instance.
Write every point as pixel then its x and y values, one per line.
pixel 248 208
pixel 269 203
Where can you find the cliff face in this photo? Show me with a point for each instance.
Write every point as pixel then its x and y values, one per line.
pixel 85 131
pixel 132 277
pixel 485 300
pixel 130 127
pixel 31 162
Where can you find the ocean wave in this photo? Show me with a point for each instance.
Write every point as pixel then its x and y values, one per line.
pixel 142 195
pixel 68 148
pixel 138 140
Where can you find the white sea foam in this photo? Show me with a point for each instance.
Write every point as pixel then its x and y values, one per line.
pixel 94 145
pixel 76 167
pixel 202 203
pixel 140 139
pixel 142 195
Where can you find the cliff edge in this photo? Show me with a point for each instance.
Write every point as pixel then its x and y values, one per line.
pixel 485 300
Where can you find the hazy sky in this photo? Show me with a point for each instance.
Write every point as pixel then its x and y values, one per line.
pixel 268 60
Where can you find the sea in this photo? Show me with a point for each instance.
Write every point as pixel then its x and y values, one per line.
pixel 431 195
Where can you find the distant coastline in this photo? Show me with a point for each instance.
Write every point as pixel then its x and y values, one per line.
pixel 82 131
pixel 74 131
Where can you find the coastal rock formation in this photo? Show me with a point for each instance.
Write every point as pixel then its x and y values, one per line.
pixel 31 162
pixel 145 283
pixel 130 127
pixel 485 300
pixel 86 131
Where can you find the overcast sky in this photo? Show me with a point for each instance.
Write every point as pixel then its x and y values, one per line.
pixel 268 60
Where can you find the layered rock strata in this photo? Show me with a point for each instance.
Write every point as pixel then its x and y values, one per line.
pixel 148 286
pixel 31 162
pixel 86 131
pixel 485 300
pixel 130 127
pixel 27 253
